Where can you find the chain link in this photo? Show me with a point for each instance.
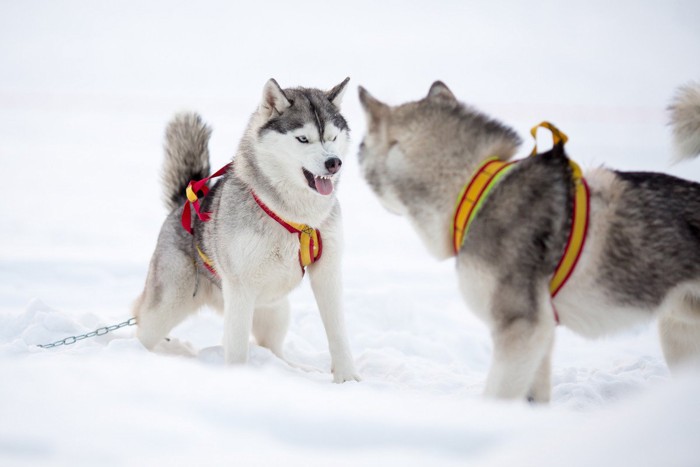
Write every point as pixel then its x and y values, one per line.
pixel 97 332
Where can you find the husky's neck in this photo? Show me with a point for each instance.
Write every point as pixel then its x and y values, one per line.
pixel 291 202
pixel 433 213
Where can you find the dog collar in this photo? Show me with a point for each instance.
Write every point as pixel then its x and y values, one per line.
pixel 487 175
pixel 310 244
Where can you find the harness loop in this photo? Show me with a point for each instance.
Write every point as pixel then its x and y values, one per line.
pixel 558 136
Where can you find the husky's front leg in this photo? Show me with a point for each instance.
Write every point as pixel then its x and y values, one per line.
pixel 327 287
pixel 239 305
pixel 541 388
pixel 523 332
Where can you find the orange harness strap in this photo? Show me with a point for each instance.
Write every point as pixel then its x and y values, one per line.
pixel 486 177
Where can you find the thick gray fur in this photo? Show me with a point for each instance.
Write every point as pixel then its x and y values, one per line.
pixel 641 257
pixel 290 145
pixel 186 156
pixel 685 120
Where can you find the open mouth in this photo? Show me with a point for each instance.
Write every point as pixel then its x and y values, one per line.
pixel 323 184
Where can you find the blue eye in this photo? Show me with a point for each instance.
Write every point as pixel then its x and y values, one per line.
pixel 302 139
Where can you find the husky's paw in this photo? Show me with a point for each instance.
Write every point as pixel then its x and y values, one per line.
pixel 344 373
pixel 173 346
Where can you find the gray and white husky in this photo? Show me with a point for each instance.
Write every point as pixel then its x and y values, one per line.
pixel 641 257
pixel 244 261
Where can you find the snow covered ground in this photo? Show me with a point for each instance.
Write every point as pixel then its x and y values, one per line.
pixel 86 89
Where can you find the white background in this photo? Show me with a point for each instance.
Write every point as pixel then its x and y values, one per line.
pixel 86 89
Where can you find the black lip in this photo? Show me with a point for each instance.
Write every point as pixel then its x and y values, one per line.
pixel 310 179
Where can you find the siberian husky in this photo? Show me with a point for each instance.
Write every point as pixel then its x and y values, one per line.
pixel 243 243
pixel 641 255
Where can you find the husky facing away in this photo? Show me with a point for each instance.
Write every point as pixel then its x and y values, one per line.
pixel 641 256
pixel 251 253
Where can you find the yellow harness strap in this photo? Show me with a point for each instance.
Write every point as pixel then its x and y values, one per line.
pixel 579 220
pixel 208 263
pixel 473 195
pixel 488 174
pixel 558 136
pixel 309 243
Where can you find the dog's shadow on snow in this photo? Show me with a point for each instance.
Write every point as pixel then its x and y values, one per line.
pixel 258 356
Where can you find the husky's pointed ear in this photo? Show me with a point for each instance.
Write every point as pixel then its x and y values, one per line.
pixel 274 100
pixel 373 107
pixel 440 90
pixel 335 95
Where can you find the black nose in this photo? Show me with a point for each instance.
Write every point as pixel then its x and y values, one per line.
pixel 333 164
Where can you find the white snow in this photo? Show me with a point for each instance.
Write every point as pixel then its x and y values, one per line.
pixel 86 89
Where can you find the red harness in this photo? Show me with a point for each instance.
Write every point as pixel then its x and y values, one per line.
pixel 310 243
pixel 193 188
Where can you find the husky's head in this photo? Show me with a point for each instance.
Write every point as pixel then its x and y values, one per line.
pixel 302 137
pixel 414 154
pixel 394 135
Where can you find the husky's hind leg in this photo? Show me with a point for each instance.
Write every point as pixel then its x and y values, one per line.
pixel 270 324
pixel 679 329
pixel 167 297
pixel 522 339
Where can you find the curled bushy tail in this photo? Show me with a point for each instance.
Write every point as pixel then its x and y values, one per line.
pixel 186 156
pixel 685 120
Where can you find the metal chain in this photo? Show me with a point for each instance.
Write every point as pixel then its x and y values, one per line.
pixel 97 332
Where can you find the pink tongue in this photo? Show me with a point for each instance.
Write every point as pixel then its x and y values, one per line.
pixel 323 185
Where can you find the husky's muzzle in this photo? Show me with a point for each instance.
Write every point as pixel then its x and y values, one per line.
pixel 323 184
